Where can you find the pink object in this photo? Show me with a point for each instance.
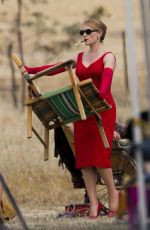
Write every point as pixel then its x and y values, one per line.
pixel 132 202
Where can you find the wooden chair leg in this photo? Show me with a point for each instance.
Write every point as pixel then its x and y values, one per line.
pixel 29 121
pixel 98 120
pixel 102 132
pixel 46 146
pixel 69 133
pixel 76 93
pixel 29 116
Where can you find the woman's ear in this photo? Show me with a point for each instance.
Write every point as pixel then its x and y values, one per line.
pixel 101 33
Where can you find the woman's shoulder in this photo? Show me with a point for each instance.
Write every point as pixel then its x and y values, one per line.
pixel 76 56
pixel 109 55
pixel 80 53
pixel 109 60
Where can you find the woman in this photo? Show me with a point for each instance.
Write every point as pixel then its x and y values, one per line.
pixel 98 64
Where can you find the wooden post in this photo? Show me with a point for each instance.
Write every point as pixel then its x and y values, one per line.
pixel 20 43
pixel 14 86
pixel 125 60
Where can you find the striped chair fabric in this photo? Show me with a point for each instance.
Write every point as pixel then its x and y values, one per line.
pixel 61 105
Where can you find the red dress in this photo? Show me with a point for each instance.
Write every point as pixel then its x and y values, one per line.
pixel 90 150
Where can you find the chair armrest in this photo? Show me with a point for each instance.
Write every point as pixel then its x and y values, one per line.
pixel 51 69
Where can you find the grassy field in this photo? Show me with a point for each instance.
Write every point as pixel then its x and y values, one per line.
pixel 33 181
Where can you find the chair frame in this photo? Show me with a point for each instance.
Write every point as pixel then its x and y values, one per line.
pixel 35 95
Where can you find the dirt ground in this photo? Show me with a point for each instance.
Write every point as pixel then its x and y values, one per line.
pixel 48 219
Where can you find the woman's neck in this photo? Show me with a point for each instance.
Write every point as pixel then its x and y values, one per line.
pixel 94 52
pixel 96 48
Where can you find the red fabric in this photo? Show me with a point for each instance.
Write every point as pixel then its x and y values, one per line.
pixel 106 82
pixel 90 150
pixel 34 70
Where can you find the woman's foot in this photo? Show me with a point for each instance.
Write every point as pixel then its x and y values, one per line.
pixel 94 210
pixel 112 213
pixel 114 205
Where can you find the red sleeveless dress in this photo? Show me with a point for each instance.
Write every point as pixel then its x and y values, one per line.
pixel 90 150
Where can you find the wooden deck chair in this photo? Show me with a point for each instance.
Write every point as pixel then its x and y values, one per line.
pixel 71 103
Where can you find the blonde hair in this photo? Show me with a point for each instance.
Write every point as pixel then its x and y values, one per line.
pixel 97 24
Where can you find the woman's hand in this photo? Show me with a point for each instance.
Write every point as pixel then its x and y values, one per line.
pixel 117 136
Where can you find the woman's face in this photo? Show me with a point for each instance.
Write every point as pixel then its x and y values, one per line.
pixel 90 35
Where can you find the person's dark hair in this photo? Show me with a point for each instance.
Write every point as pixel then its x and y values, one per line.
pixel 98 25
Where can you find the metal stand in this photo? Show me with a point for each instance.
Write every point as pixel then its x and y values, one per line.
pixel 13 202
pixel 142 208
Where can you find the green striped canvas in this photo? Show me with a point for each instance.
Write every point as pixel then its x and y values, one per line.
pixel 62 103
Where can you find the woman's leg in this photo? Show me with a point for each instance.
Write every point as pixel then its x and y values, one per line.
pixel 107 176
pixel 89 175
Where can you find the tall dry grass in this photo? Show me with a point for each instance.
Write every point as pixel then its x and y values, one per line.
pixel 32 181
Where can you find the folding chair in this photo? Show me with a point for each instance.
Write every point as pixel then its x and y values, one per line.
pixel 69 104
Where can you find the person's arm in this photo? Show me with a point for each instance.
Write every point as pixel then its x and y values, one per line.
pixel 109 66
pixel 34 70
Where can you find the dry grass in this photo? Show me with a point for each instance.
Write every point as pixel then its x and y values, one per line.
pixel 33 182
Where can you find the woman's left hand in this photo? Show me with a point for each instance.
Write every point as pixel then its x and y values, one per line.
pixel 117 136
